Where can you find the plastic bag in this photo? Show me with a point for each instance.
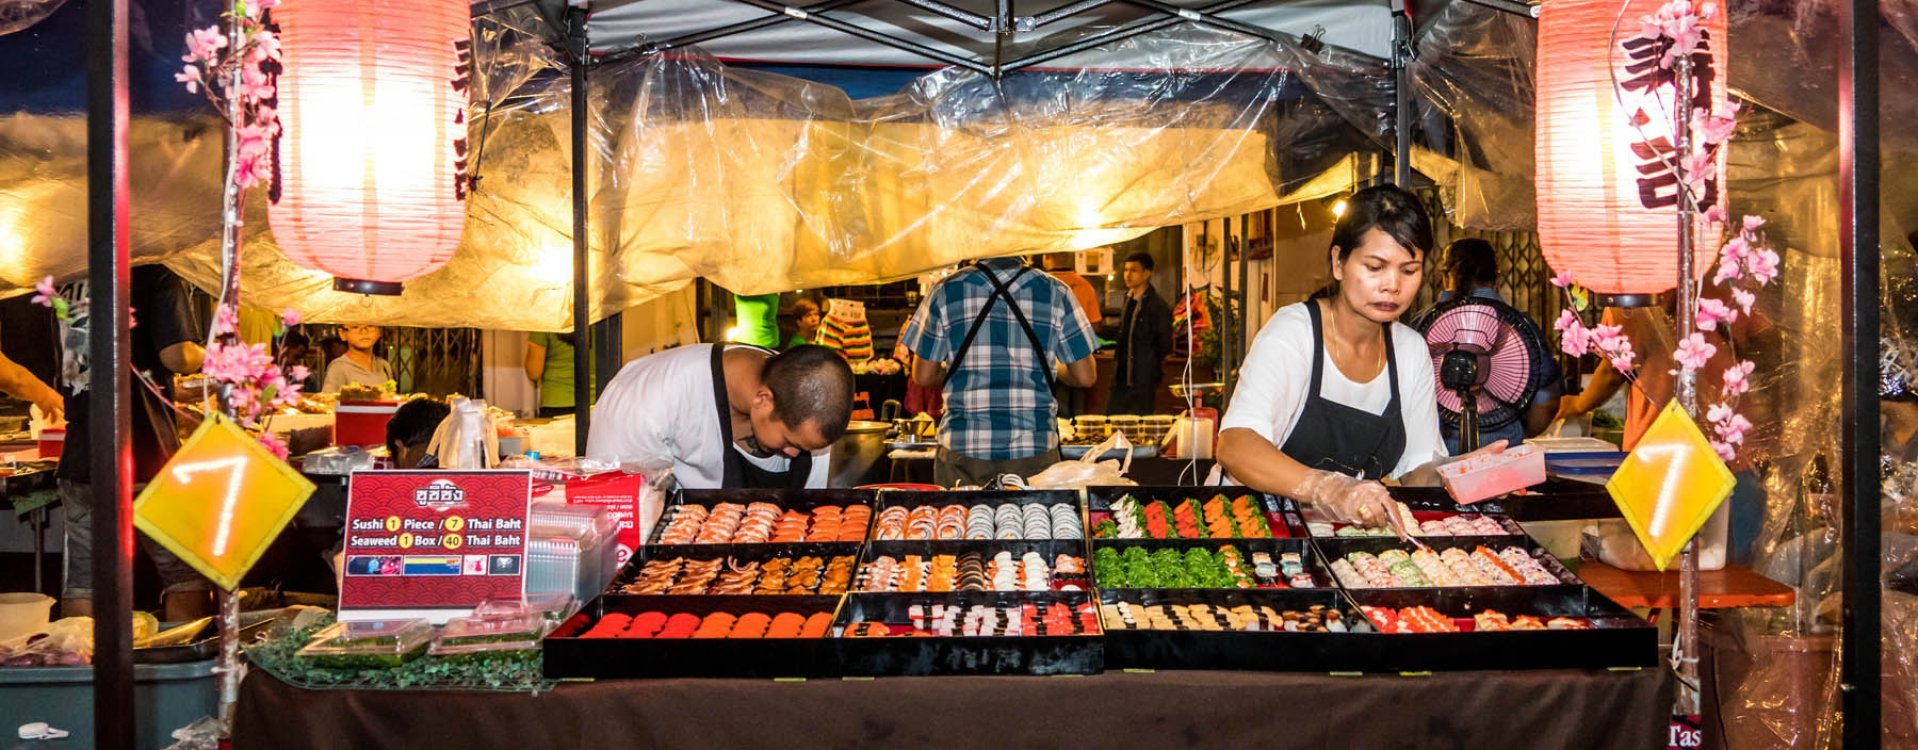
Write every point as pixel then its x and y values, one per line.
pixel 1088 470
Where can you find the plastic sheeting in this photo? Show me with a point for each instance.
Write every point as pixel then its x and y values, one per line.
pixel 763 183
pixel 1782 691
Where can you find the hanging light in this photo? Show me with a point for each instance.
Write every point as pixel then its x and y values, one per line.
pixel 1607 201
pixel 372 159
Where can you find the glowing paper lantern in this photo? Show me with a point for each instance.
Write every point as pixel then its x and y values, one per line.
pixel 372 157
pixel 1607 202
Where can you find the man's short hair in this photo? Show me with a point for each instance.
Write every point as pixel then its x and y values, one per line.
pixel 1142 258
pixel 414 424
pixel 810 383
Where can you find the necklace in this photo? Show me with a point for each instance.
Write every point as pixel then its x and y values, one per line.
pixel 1375 362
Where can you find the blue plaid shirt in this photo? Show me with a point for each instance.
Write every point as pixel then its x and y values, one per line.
pixel 998 406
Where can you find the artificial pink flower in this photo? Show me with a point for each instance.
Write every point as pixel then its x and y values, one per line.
pixel 1738 379
pixel 299 373
pixel 1574 340
pixel 266 45
pixel 255 84
pixel 273 444
pixel 204 45
pixel 1716 129
pixel 45 292
pixel 1744 299
pixel 289 317
pixel 1753 223
pixel 1694 352
pixel 1725 452
pixel 225 320
pixel 1713 313
pixel 1731 259
pixel 1716 215
pixel 1623 357
pixel 1763 265
pixel 190 75
pixel 1562 279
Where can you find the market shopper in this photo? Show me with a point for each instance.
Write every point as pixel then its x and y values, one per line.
pixel 549 363
pixel 727 416
pixel 1072 399
pixel 996 336
pixel 1470 267
pixel 164 342
pixel 805 316
pixel 411 430
pixel 1336 394
pixel 1145 338
pixel 358 365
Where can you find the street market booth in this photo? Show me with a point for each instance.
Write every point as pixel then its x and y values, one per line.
pixel 608 157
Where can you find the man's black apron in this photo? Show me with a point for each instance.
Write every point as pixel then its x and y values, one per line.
pixel 739 472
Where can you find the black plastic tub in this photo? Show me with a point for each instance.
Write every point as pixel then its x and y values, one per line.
pixel 904 654
pixel 1267 650
pixel 570 656
pixel 1617 638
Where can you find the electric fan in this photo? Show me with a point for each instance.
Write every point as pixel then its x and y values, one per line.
pixel 1485 355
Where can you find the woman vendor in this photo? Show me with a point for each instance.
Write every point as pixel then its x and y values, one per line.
pixel 1335 393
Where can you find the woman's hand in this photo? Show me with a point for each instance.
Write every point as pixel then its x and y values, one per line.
pixel 1345 499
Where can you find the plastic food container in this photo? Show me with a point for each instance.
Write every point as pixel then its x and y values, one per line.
pixel 52 442
pixel 362 422
pixel 487 634
pixel 554 608
pixel 370 644
pixel 1489 476
pixel 23 614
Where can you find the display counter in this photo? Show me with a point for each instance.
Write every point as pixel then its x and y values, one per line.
pixel 1542 708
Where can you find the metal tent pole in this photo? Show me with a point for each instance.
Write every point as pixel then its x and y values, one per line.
pixel 576 44
pixel 1858 257
pixel 110 383
pixel 1401 94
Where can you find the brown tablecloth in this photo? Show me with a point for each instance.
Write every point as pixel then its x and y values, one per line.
pixel 1238 710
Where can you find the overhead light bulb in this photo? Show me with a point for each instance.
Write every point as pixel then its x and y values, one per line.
pixel 733 333
pixel 1338 209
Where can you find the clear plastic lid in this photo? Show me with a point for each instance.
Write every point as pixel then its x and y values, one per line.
pixel 553 607
pixel 369 642
pixel 494 632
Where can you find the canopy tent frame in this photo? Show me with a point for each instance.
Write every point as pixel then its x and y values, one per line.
pixel 107 151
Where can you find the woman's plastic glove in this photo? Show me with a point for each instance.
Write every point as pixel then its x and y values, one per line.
pixel 1345 499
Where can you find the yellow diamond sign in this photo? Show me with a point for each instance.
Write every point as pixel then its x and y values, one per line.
pixel 221 501
pixel 1670 484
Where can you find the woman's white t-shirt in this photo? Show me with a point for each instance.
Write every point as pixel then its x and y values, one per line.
pixel 1277 378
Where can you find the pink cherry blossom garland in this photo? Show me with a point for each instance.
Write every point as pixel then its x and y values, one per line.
pixel 210 65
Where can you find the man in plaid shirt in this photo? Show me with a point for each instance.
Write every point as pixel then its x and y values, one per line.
pixel 997 334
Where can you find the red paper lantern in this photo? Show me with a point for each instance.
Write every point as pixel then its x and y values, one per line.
pixel 1607 204
pixel 372 154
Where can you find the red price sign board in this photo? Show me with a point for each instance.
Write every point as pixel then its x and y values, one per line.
pixel 432 543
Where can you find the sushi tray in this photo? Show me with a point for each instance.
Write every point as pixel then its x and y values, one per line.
pixel 821 569
pixel 1361 563
pixel 703 517
pixel 1004 515
pixel 1187 513
pixel 1531 627
pixel 1279 630
pixel 1231 564
pixel 971 633
pixel 1425 524
pixel 697 636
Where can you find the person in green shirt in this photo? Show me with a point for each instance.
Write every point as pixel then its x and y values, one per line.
pixel 549 362
pixel 805 316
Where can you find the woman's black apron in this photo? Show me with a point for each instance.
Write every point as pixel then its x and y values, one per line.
pixel 740 473
pixel 1340 438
